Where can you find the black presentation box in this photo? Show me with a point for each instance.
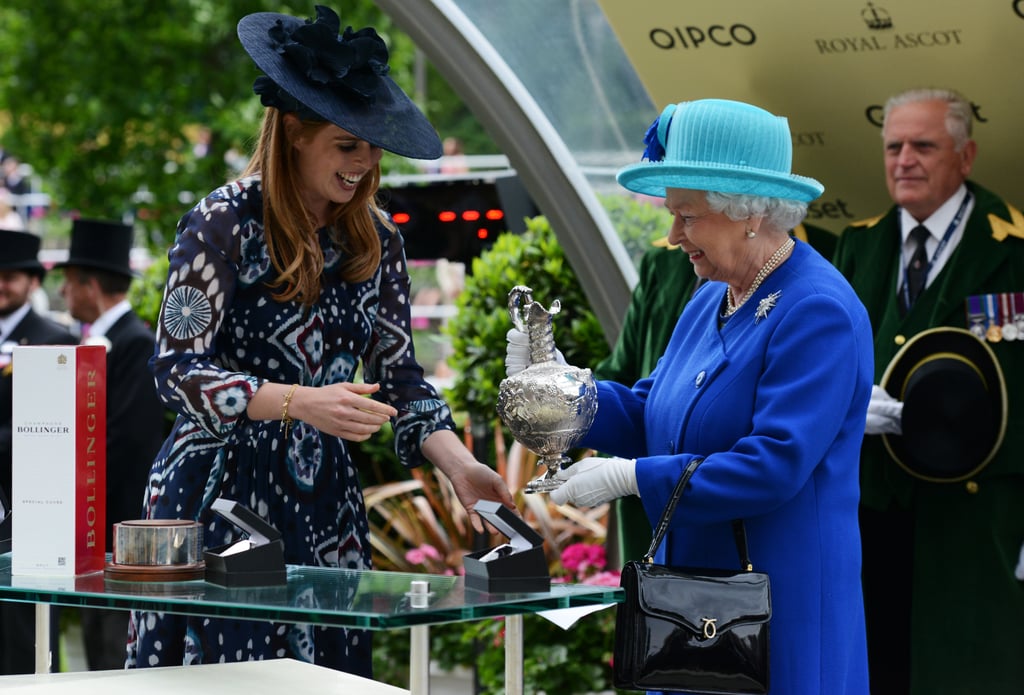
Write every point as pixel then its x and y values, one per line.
pixel 518 566
pixel 255 561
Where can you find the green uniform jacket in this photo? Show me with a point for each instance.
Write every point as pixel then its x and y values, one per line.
pixel 968 609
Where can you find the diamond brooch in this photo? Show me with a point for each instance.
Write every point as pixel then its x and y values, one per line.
pixel 766 305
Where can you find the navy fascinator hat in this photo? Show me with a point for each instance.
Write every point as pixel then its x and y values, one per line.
pixel 314 70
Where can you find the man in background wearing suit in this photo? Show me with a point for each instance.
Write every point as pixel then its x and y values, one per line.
pixel 944 609
pixel 21 274
pixel 97 275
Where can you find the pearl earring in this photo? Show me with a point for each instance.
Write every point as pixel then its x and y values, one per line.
pixel 751 234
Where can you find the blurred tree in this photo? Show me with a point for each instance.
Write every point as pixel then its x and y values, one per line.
pixel 128 109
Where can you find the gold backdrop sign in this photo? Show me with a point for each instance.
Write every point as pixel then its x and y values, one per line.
pixel 829 67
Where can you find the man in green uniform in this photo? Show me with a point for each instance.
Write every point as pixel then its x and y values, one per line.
pixel 666 283
pixel 945 613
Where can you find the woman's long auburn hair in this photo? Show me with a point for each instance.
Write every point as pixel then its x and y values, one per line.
pixel 290 230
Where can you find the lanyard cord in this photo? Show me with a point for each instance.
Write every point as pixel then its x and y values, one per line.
pixel 905 289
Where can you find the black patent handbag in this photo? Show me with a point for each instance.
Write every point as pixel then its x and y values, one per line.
pixel 692 630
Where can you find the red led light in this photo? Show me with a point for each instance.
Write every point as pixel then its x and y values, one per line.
pixel 446 216
pixel 400 217
pixel 494 215
pixel 482 233
pixel 471 215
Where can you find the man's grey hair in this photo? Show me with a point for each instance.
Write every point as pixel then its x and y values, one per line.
pixel 959 115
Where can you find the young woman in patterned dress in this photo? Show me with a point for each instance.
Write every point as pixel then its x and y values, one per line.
pixel 281 285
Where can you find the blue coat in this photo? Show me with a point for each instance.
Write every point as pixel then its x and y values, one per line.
pixel 777 405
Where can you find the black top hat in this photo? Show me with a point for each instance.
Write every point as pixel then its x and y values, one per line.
pixel 100 244
pixel 954 404
pixel 20 251
pixel 342 79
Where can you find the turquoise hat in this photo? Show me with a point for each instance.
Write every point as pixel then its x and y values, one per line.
pixel 719 145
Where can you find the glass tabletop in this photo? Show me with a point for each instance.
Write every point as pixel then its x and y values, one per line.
pixel 324 596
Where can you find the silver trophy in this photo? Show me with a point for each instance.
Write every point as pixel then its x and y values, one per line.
pixel 548 406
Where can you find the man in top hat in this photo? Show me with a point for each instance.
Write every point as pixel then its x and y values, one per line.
pixel 97 275
pixel 21 274
pixel 941 534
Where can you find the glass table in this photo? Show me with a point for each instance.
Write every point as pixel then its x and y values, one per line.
pixel 372 600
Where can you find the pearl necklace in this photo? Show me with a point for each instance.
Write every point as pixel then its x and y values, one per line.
pixel 765 271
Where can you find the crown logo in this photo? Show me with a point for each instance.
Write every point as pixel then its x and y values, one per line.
pixel 62 359
pixel 876 17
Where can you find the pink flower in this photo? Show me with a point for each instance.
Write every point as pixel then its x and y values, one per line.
pixel 583 559
pixel 415 556
pixel 604 579
pixel 420 555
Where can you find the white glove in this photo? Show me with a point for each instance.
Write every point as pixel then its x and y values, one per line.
pixel 592 481
pixel 517 352
pixel 885 413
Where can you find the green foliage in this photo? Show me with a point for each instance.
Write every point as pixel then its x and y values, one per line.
pixel 577 660
pixel 147 292
pixel 535 259
pixel 101 94
pixel 638 222
pixel 571 661
pixel 104 99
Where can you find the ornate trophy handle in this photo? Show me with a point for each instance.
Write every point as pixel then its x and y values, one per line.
pixel 522 320
pixel 515 295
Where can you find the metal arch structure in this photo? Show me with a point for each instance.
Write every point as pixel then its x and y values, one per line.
pixel 539 155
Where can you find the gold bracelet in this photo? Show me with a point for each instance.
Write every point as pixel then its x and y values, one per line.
pixel 287 420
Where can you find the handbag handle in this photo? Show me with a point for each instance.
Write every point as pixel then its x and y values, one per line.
pixel 738 529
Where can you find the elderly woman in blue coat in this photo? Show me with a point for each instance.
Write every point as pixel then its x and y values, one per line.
pixel 767 375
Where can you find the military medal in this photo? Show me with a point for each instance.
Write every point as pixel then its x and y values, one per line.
pixel 1018 313
pixel 994 334
pixel 975 317
pixel 1009 329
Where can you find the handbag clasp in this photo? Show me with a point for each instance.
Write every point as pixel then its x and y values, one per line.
pixel 709 627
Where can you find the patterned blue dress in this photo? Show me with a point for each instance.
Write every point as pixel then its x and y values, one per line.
pixel 220 337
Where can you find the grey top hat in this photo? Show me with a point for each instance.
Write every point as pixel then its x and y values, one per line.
pixel 312 71
pixel 20 251
pixel 101 244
